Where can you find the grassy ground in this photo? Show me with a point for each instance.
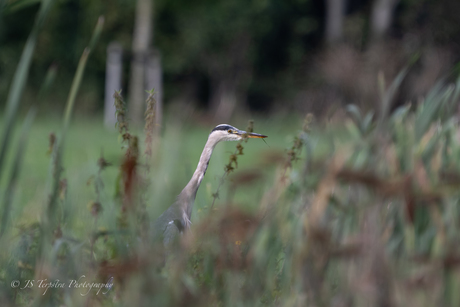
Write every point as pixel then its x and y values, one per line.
pixel 176 158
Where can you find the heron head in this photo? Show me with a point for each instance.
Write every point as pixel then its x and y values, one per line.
pixel 226 132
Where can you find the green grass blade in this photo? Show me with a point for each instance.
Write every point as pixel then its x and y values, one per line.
pixel 50 77
pixel 20 79
pixel 74 89
pixel 97 33
pixel 79 73
pixel 18 160
pixel 367 122
pixel 389 95
pixel 400 113
pixel 427 112
pixel 57 154
pixel 18 5
pixel 355 112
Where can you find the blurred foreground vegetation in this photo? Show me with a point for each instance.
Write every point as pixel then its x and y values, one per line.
pixel 357 210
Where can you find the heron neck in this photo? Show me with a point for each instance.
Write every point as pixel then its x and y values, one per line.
pixel 192 187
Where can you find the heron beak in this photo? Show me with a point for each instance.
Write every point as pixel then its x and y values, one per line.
pixel 251 135
pixel 256 135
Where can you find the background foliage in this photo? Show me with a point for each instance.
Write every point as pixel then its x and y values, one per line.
pixel 277 45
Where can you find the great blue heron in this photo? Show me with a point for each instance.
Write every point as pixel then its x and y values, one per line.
pixel 176 218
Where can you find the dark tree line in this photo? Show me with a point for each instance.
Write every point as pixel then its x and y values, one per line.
pixel 227 55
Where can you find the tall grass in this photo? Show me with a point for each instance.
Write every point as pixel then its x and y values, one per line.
pixel 46 245
pixel 359 213
pixel 19 81
pixel 13 180
pixel 59 144
pixel 361 217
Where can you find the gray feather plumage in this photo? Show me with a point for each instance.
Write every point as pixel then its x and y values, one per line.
pixel 176 219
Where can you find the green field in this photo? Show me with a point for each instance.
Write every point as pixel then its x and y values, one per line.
pixel 176 157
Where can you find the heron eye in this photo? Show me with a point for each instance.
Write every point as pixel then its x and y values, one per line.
pixel 230 131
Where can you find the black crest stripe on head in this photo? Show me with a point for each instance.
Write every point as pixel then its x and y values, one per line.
pixel 222 127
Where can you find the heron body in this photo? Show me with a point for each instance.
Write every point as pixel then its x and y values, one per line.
pixel 176 219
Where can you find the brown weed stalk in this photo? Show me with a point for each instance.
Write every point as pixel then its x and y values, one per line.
pixel 128 169
pixel 149 124
pixel 292 155
pixel 95 207
pixel 122 123
pixel 233 161
pixel 129 173
pixel 131 182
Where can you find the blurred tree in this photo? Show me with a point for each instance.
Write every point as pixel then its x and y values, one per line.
pixel 335 11
pixel 142 37
pixel 217 37
pixel 382 17
pixel 240 48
